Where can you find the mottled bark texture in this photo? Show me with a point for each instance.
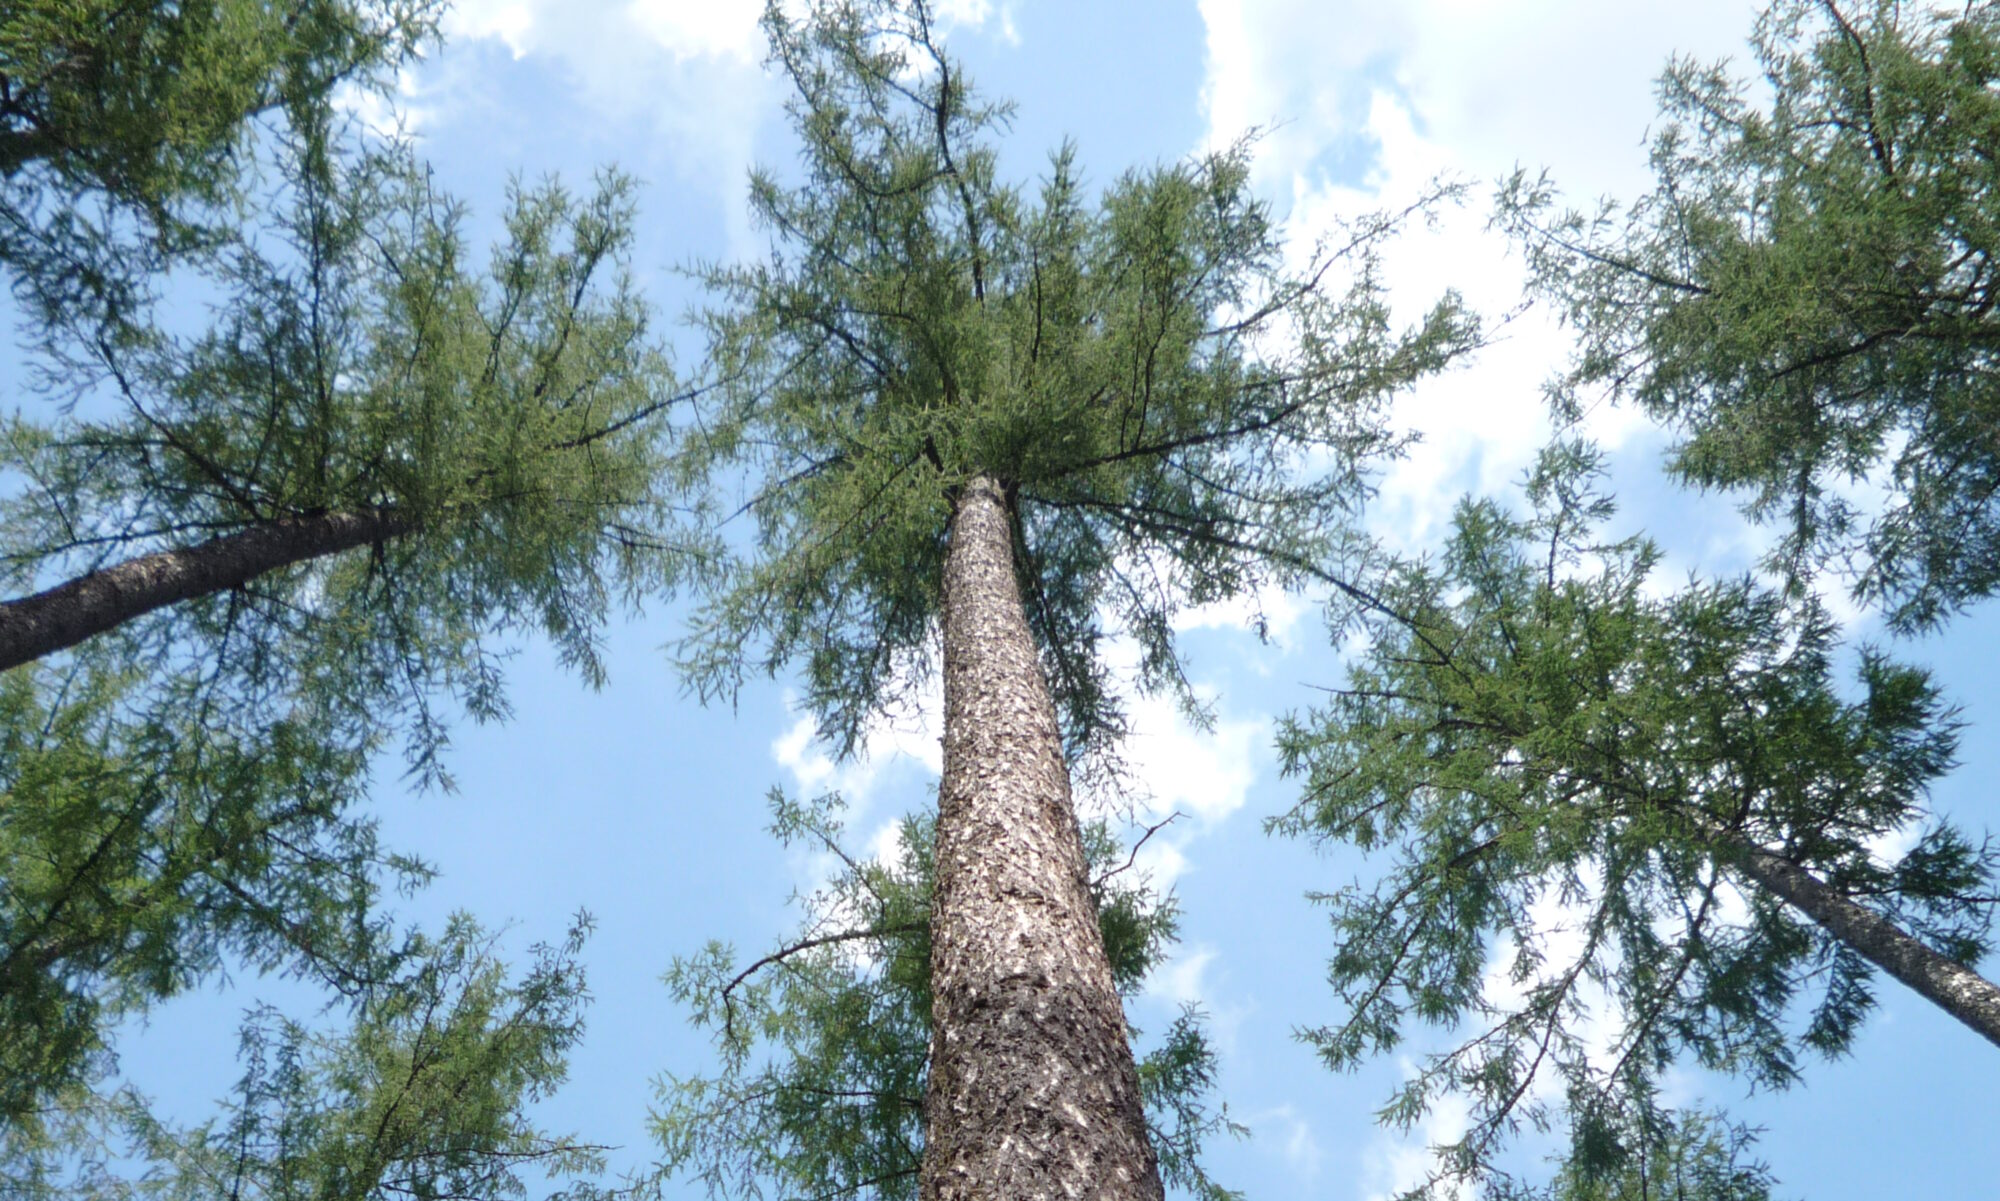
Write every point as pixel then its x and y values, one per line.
pixel 1957 989
pixel 68 613
pixel 1033 1090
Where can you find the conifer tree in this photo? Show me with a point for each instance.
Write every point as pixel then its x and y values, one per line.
pixel 1626 831
pixel 1804 298
pixel 124 126
pixel 1685 1157
pixel 298 457
pixel 255 540
pixel 360 386
pixel 181 785
pixel 980 427
pixel 1807 296
pixel 825 1040
pixel 426 1092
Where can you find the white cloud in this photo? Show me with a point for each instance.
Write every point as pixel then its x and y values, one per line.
pixel 977 14
pixel 687 78
pixel 1563 82
pixel 798 750
pixel 1395 1164
pixel 885 847
pixel 1888 848
pixel 1205 774
pixel 510 22
pixel 1182 980
pixel 891 746
pixel 1366 104
pixel 909 736
pixel 1281 1127
pixel 1172 764
pixel 1161 860
pixel 1188 979
pixel 1278 609
pixel 894 746
pixel 681 83
pixel 1482 423
pixel 1291 68
pixel 1302 1148
pixel 725 30
pixel 387 115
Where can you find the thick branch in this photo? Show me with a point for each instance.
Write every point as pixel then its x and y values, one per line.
pixel 62 616
pixel 1946 983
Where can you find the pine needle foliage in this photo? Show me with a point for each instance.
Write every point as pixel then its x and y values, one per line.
pixel 252 322
pixel 1807 295
pixel 1693 1156
pixel 424 1094
pixel 124 125
pixel 501 421
pixel 141 856
pixel 1574 775
pixel 825 1042
pixel 179 790
pixel 1177 411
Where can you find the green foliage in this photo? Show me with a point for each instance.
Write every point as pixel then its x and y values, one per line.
pixel 825 1042
pixel 194 802
pixel 114 111
pixel 1566 766
pixel 334 347
pixel 1177 415
pixel 1807 295
pixel 423 1095
pixel 138 854
pixel 245 313
pixel 1686 1157
pixel 178 793
pixel 359 361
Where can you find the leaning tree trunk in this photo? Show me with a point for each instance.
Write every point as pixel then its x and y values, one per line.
pixel 1033 1090
pixel 68 613
pixel 1946 983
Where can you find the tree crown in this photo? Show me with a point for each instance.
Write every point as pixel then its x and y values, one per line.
pixel 1807 294
pixel 1175 414
pixel 1566 767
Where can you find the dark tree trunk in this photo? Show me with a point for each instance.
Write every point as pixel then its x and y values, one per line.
pixel 1950 985
pixel 1033 1090
pixel 68 613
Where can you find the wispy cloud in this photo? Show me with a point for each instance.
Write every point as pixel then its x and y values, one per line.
pixel 1282 1130
pixel 1173 767
pixel 1275 610
pixel 677 86
pixel 908 737
pixel 1367 104
pixel 1396 1163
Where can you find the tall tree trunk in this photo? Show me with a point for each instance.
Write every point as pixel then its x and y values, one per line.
pixel 1950 985
pixel 68 613
pixel 1033 1090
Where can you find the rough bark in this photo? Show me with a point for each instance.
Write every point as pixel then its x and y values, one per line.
pixel 1033 1090
pixel 68 613
pixel 1952 986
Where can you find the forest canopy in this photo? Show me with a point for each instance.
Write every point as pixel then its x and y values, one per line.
pixel 979 427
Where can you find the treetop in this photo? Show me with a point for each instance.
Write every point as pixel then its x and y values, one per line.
pixel 1176 409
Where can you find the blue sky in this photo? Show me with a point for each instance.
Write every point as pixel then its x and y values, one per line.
pixel 645 808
